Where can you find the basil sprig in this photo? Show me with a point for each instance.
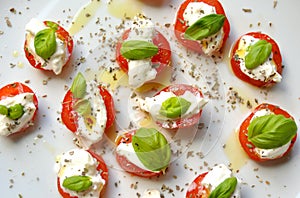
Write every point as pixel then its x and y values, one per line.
pixel 174 107
pixel 138 50
pixel 224 189
pixel 271 131
pixel 83 107
pixel 258 54
pixel 52 25
pixel 204 27
pixel 45 43
pixel 13 112
pixel 78 87
pixel 152 148
pixel 77 183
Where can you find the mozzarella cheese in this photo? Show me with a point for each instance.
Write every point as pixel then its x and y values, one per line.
pixel 265 72
pixel 78 162
pixel 216 176
pixel 9 126
pixel 91 134
pixel 151 193
pixel 269 153
pixel 153 104
pixel 58 59
pixel 127 150
pixel 141 71
pixel 195 11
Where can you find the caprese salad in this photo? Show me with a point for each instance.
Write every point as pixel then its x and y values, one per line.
pixel 268 133
pixel 256 59
pixel 18 107
pixel 143 52
pixel 144 152
pixel 201 25
pixel 87 110
pixel 48 46
pixel 218 182
pixel 175 106
pixel 80 173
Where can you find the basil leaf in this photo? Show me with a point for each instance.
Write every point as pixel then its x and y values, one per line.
pixel 15 112
pixel 45 43
pixel 258 54
pixel 77 183
pixel 271 131
pixel 138 50
pixel 174 107
pixel 78 87
pixel 52 25
pixel 152 148
pixel 224 189
pixel 83 107
pixel 204 27
pixel 3 110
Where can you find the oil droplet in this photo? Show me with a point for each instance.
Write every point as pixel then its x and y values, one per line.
pixel 83 16
pixel 236 155
pixel 15 53
pixel 124 8
pixel 20 64
pixel 114 78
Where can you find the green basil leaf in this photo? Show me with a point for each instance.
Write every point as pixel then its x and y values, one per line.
pixel 77 183
pixel 258 54
pixel 271 131
pixel 174 107
pixel 45 43
pixel 204 27
pixel 15 112
pixel 3 110
pixel 78 87
pixel 138 50
pixel 83 107
pixel 224 189
pixel 152 148
pixel 52 25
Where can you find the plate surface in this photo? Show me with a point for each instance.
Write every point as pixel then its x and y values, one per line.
pixel 27 161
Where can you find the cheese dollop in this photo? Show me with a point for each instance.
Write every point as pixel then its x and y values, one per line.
pixel 58 59
pixel 9 126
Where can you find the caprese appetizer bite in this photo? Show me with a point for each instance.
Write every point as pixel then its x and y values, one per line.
pixel 144 152
pixel 218 182
pixel 142 51
pixel 48 46
pixel 202 26
pixel 18 107
pixel 268 133
pixel 175 106
pixel 256 59
pixel 80 173
pixel 87 110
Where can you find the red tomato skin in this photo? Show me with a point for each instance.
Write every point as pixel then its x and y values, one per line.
pixel 101 167
pixel 70 117
pixel 235 64
pixel 243 131
pixel 179 89
pixel 163 57
pixel 198 191
pixel 14 89
pixel 180 26
pixel 126 164
pixel 61 34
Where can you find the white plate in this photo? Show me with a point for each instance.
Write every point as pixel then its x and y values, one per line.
pixel 27 161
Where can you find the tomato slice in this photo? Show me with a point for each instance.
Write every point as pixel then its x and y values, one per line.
pixel 163 57
pixel 196 188
pixel 276 56
pixel 243 131
pixel 63 35
pixel 126 164
pixel 14 89
pixel 180 89
pixel 70 117
pixel 102 168
pixel 181 26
